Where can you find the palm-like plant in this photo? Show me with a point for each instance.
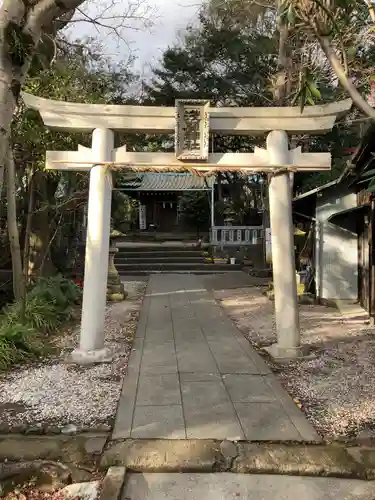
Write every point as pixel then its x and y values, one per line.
pixel 340 28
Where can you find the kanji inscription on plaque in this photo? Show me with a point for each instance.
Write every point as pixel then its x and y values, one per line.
pixel 192 129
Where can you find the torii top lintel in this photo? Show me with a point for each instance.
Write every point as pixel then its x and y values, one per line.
pixel 159 120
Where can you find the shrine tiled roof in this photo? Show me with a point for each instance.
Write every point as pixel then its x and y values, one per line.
pixel 150 181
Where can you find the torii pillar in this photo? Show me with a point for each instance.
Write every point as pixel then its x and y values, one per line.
pixel 288 345
pixel 281 161
pixel 91 344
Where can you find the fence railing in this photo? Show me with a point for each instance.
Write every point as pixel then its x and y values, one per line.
pixel 235 235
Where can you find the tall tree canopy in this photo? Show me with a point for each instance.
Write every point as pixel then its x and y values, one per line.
pixel 252 54
pixel 222 59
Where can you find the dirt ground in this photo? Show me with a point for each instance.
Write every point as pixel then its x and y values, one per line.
pixel 336 389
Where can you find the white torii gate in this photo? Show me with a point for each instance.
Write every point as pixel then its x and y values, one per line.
pixel 191 121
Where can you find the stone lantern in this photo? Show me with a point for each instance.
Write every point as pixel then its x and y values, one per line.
pixel 115 288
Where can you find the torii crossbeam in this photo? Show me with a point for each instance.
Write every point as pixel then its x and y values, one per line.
pixel 192 122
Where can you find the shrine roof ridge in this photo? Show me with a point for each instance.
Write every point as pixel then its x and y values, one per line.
pixel 167 181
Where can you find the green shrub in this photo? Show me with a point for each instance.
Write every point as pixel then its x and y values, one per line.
pixel 40 315
pixel 22 329
pixel 57 290
pixel 8 355
pixel 17 343
pixel 48 304
pixel 23 338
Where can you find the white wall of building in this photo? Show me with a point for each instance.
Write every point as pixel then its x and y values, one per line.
pixel 336 248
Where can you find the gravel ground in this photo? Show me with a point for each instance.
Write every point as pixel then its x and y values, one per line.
pixel 337 388
pixel 57 393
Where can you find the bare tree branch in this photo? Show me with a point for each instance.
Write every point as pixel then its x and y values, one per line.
pixel 117 18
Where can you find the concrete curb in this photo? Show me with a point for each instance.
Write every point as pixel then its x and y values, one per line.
pixel 113 484
pixel 329 460
pixel 156 455
pixel 80 448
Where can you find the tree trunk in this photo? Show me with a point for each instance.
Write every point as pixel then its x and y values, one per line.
pixel 29 216
pixel 14 239
pixel 21 25
pixel 40 262
pixel 26 246
pixel 7 107
pixel 280 94
pixel 14 55
pixel 281 83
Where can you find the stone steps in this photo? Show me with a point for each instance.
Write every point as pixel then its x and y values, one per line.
pixel 172 267
pixel 180 259
pixel 141 253
pixel 212 271
pixel 167 258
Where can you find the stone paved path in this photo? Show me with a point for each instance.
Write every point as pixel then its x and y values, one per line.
pixel 193 375
pixel 227 486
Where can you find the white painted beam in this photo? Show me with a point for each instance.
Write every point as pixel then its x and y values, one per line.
pixel 82 160
pixel 72 160
pixel 158 120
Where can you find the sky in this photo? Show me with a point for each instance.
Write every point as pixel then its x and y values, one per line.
pixel 169 18
pixel 173 16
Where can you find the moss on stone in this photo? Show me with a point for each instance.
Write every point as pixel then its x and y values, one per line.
pixel 117 297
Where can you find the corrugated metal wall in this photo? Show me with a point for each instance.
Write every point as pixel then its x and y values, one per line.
pixel 336 249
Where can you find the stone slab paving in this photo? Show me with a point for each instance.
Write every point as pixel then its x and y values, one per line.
pixel 192 374
pixel 226 486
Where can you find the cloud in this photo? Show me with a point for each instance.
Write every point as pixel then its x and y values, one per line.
pixel 172 19
pixel 148 45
